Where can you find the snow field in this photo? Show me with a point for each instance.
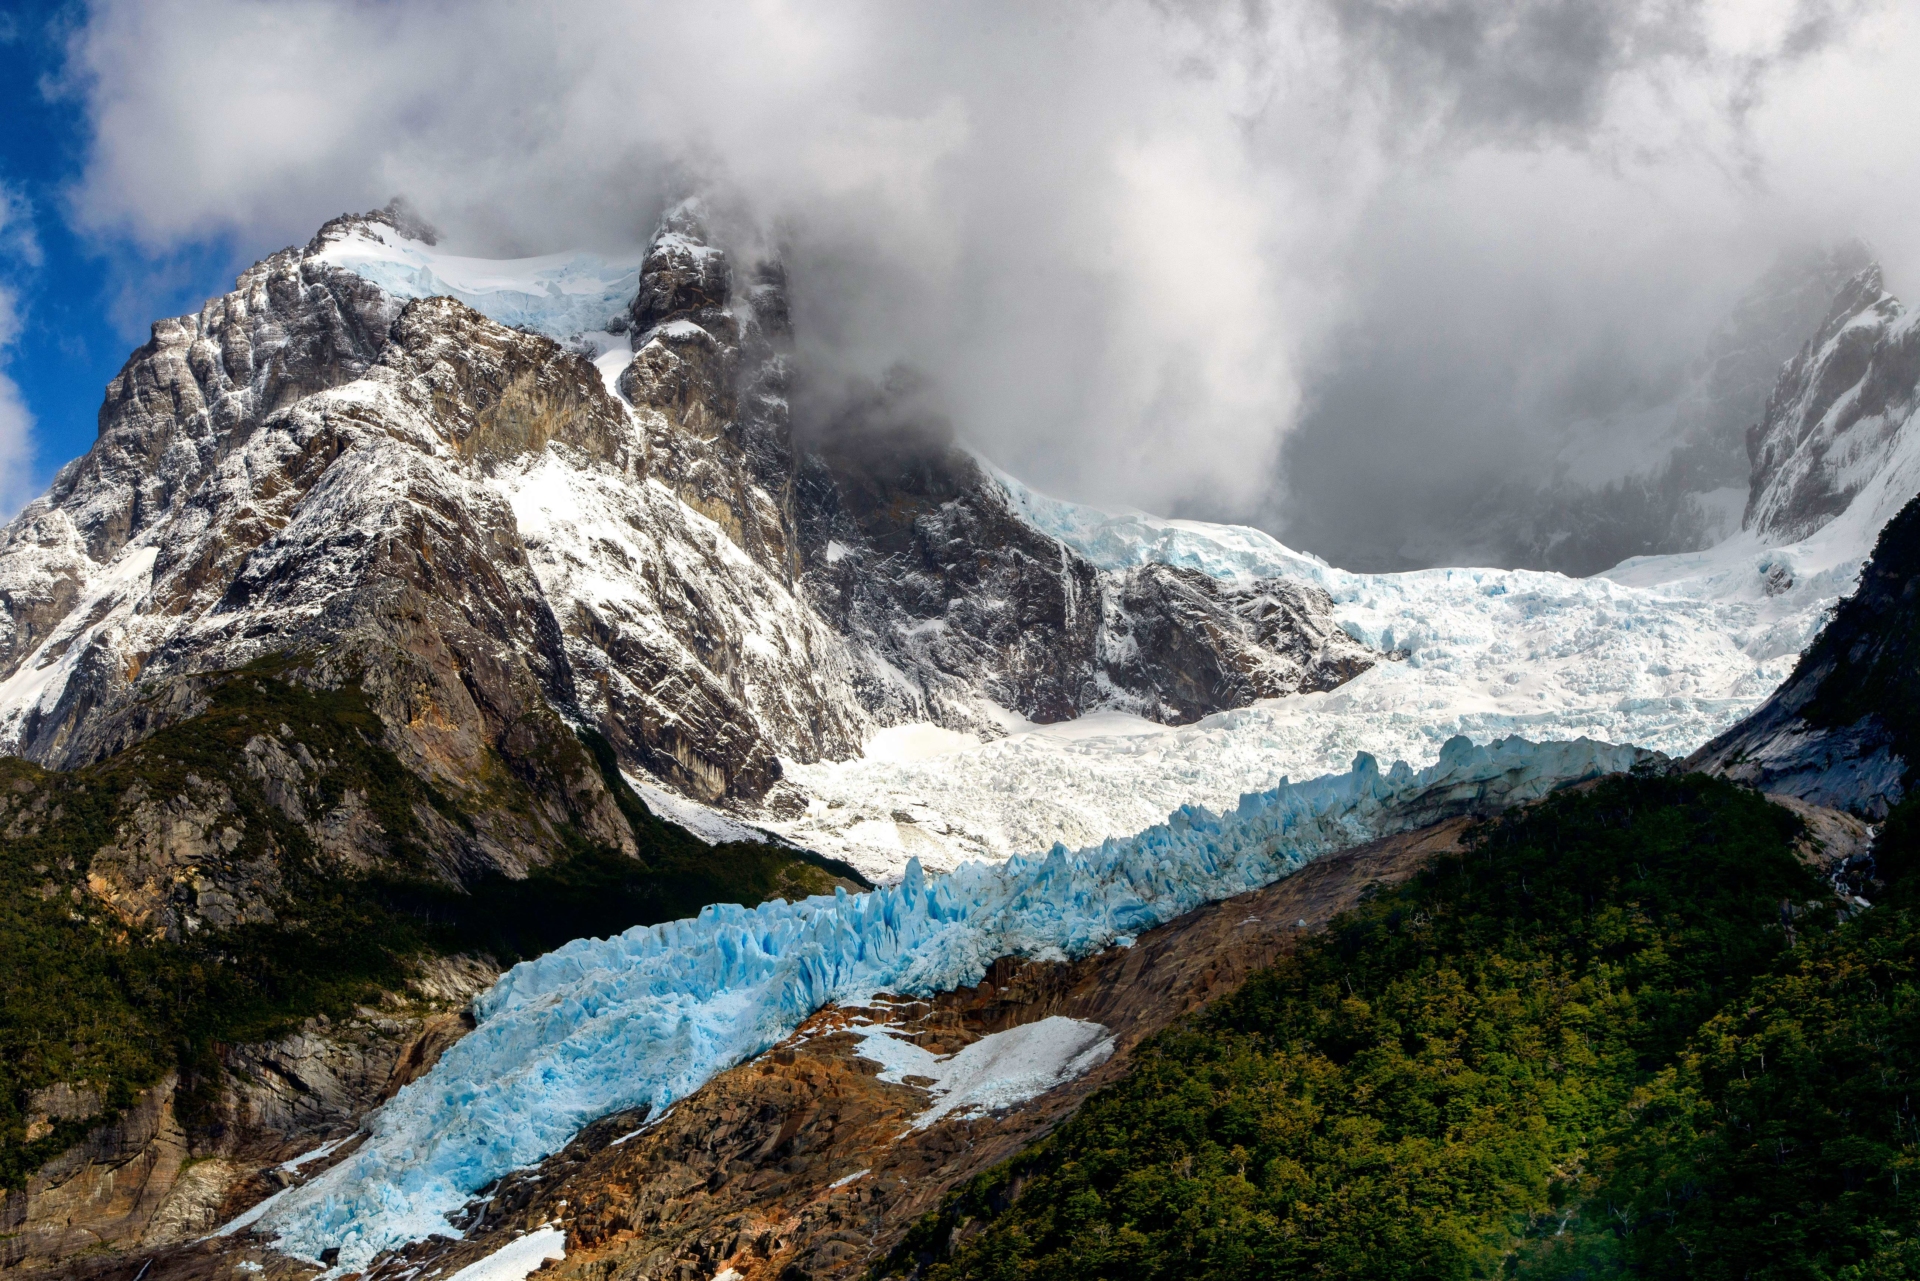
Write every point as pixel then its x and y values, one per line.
pixel 517 1260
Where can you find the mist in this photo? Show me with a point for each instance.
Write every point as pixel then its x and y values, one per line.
pixel 1336 269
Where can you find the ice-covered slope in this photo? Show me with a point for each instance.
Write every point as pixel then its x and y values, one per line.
pixel 1665 652
pixel 560 295
pixel 646 1018
pixel 1839 415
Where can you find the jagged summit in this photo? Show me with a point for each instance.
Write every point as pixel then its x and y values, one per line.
pixel 1835 417
pixel 567 491
pixel 398 214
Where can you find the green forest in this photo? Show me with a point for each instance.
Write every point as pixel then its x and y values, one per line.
pixel 1626 1032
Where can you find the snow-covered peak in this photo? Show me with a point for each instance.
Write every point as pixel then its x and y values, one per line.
pixel 1841 417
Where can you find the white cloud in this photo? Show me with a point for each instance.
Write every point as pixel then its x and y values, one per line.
pixel 18 247
pixel 16 448
pixel 1123 236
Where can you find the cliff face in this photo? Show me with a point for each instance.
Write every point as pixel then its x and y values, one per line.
pixel 1842 731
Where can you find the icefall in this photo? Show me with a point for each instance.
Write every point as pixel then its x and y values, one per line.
pixel 648 1016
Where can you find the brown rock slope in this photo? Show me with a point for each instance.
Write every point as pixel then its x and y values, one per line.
pixel 168 1171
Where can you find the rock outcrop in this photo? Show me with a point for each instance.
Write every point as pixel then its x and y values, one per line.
pixel 164 1172
pixel 917 553
pixel 1842 731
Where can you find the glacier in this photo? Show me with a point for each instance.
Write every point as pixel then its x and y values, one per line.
pixel 563 295
pixel 648 1016
pixel 1661 651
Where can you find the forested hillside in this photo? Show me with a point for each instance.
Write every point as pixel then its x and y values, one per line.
pixel 1629 1032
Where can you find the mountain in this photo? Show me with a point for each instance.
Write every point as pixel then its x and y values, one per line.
pixel 483 519
pixel 1835 420
pixel 332 667
pixel 407 600
pixel 1838 448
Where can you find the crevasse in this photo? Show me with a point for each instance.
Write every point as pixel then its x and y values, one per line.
pixel 650 1015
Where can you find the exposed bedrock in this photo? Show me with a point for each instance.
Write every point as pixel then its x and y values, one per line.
pixel 170 1169
pixel 917 553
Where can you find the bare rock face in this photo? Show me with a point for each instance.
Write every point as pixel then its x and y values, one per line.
pixel 917 553
pixel 1836 413
pixel 176 866
pixel 914 553
pixel 107 1190
pixel 1190 644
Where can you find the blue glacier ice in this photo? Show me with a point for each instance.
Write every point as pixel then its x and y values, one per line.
pixel 648 1016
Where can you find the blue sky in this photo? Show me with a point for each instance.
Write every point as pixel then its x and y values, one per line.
pixel 84 301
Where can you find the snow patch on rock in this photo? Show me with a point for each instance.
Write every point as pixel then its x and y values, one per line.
pixel 517 1260
pixel 995 1072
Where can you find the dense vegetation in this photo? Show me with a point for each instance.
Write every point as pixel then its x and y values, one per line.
pixel 1624 1034
pixel 87 1001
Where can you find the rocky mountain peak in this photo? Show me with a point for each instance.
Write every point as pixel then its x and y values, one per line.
pixel 1836 413
pixel 498 539
pixel 398 214
pixel 683 277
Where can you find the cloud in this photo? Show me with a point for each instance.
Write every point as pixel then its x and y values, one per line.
pixel 1134 245
pixel 19 248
